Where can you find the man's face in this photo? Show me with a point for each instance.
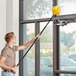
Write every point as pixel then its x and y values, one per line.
pixel 13 40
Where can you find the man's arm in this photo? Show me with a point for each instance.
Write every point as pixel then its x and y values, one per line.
pixel 4 66
pixel 25 46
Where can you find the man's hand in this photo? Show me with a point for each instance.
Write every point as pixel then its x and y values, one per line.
pixel 4 66
pixel 38 36
pixel 14 68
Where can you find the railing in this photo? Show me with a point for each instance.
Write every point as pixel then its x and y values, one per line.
pixel 70 17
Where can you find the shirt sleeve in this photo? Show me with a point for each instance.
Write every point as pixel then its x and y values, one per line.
pixel 4 53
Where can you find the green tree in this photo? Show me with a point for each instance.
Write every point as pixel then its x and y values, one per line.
pixel 36 8
pixel 46 35
pixel 67 39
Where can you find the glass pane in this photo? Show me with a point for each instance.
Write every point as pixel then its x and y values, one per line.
pixel 46 50
pixel 35 9
pixel 68 47
pixel 29 60
pixel 67 74
pixel 67 6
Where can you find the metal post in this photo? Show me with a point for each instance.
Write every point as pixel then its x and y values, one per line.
pixel 55 45
pixel 20 35
pixel 55 49
pixel 37 51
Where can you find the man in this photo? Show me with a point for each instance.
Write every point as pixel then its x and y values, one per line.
pixel 7 58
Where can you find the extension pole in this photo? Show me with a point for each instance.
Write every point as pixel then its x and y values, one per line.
pixel 35 40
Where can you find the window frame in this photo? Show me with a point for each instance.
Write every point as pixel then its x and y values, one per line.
pixel 56 40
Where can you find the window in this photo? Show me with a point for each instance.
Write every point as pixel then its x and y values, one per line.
pixel 67 6
pixel 29 60
pixel 67 74
pixel 67 46
pixel 56 42
pixel 36 9
pixel 46 50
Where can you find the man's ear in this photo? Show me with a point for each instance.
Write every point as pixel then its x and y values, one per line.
pixel 0 57
pixel 11 39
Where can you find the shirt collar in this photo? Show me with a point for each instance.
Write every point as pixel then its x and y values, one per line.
pixel 8 46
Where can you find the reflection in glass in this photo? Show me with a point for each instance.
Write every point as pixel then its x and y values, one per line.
pixel 36 9
pixel 67 6
pixel 68 47
pixel 67 74
pixel 29 60
pixel 46 50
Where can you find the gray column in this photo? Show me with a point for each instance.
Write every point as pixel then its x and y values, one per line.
pixel 55 45
pixel 37 51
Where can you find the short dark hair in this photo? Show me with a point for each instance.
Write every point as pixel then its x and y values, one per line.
pixel 8 36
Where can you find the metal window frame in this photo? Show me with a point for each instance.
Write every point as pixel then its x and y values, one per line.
pixel 65 72
pixel 56 47
pixel 71 17
pixel 20 35
pixel 37 50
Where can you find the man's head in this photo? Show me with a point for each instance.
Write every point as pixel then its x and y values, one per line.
pixel 10 37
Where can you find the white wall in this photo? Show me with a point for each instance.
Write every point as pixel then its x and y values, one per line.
pixel 9 21
pixel 9 16
pixel 2 24
pixel 16 26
